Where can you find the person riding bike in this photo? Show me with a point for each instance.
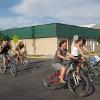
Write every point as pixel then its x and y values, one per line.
pixel 5 48
pixel 83 48
pixel 59 57
pixel 20 50
pixel 77 51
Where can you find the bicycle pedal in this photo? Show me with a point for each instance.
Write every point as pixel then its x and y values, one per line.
pixel 7 67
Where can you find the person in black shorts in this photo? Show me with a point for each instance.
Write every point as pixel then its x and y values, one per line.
pixel 5 48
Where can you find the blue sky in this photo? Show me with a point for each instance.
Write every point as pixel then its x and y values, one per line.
pixel 5 5
pixel 21 13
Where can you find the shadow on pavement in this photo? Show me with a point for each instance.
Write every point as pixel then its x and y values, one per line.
pixel 23 70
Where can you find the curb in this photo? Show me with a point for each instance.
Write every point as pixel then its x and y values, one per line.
pixel 40 57
pixel 92 54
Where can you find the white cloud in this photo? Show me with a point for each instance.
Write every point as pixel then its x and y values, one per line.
pixel 24 21
pixel 10 22
pixel 32 12
pixel 88 26
pixel 57 8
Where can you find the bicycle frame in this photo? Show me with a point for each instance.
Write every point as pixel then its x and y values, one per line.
pixel 55 74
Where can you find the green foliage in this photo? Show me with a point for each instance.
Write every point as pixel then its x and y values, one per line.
pixel 98 39
pixel 3 37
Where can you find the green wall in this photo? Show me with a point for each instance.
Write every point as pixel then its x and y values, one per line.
pixel 52 30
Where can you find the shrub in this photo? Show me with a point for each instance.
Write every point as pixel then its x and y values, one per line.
pixel 3 37
pixel 98 39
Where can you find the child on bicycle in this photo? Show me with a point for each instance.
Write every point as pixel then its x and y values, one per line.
pixel 59 57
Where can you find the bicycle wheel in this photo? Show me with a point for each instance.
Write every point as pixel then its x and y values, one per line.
pixel 1 67
pixel 13 69
pixel 94 75
pixel 78 87
pixel 17 61
pixel 51 79
pixel 25 61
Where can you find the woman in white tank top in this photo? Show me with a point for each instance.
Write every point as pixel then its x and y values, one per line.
pixel 75 52
pixel 76 49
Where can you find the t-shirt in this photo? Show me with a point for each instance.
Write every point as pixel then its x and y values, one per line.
pixel 63 53
pixel 5 49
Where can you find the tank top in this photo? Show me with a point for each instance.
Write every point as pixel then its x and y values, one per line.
pixel 57 59
pixel 75 51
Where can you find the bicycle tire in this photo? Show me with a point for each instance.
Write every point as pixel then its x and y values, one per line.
pixel 51 81
pixel 94 75
pixel 78 89
pixel 13 69
pixel 25 62
pixel 1 67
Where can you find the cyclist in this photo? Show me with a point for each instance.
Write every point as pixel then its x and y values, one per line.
pixel 79 47
pixel 83 48
pixel 20 49
pixel 4 51
pixel 77 51
pixel 0 50
pixel 59 57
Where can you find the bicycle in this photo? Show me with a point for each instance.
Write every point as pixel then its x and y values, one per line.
pixel 10 65
pixel 22 60
pixel 76 86
pixel 92 70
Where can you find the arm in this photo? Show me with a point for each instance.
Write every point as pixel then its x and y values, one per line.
pixel 0 48
pixel 70 55
pixel 85 49
pixel 80 50
pixel 12 51
pixel 60 56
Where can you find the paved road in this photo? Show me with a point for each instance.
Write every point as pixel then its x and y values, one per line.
pixel 28 85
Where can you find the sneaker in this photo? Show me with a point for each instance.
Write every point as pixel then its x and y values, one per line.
pixel 62 81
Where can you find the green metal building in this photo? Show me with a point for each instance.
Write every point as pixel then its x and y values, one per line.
pixel 54 31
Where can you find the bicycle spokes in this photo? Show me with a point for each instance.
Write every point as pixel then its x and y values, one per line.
pixel 54 78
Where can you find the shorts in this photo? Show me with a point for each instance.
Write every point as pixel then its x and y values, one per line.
pixel 76 62
pixel 57 66
pixel 1 56
pixel 6 55
pixel 79 56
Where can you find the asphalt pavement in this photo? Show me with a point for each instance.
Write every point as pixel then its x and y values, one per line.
pixel 28 85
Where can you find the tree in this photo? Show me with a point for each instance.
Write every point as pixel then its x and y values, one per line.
pixel 3 37
pixel 98 39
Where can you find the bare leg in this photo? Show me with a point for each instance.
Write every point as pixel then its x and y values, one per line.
pixel 17 57
pixel 62 73
pixel 78 71
pixel 4 64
